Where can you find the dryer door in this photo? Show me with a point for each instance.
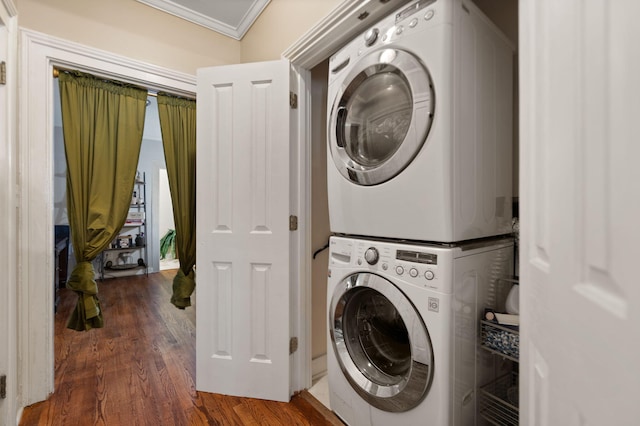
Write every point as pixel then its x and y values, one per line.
pixel 381 116
pixel 381 343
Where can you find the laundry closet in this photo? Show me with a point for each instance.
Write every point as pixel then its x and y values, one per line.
pixel 505 17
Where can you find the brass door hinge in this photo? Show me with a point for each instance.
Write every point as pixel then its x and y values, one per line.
pixel 293 223
pixel 293 345
pixel 293 100
pixel 3 72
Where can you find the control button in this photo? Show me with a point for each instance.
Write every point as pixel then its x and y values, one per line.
pixel 371 36
pixel 413 22
pixel 429 275
pixel 399 30
pixel 371 256
pixel 385 266
pixel 428 15
pixel 359 261
pixel 413 272
pixel 399 270
pixel 384 37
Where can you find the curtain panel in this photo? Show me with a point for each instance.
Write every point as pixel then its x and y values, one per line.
pixel 178 126
pixel 102 123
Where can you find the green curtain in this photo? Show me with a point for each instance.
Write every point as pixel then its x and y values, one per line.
pixel 178 125
pixel 102 124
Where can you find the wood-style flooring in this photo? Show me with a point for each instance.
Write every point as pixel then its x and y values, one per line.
pixel 140 368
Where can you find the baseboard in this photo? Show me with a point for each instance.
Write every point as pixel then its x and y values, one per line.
pixel 318 367
pixel 19 415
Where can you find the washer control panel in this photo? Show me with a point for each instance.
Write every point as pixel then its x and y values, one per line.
pixel 417 266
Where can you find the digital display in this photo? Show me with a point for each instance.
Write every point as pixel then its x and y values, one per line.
pixel 417 257
pixel 413 9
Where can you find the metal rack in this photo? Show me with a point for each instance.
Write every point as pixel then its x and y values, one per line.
pixel 500 340
pixel 499 401
pixel 499 398
pixel 128 254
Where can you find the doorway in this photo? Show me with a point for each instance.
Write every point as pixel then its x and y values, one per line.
pixel 37 203
pixel 151 165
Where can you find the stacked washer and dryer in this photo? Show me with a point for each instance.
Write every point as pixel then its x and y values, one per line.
pixel 420 194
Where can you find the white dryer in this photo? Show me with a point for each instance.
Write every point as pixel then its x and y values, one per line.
pixel 420 127
pixel 403 330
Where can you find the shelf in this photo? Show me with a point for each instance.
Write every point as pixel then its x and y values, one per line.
pixel 118 260
pixel 500 339
pixel 132 248
pixel 499 401
pixel 124 267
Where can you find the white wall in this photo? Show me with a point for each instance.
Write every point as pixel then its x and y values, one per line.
pixel 504 14
pixel 165 212
pixel 151 160
pixel 280 25
pixel 320 231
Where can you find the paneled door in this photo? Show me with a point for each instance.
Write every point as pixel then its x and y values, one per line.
pixel 580 204
pixel 243 208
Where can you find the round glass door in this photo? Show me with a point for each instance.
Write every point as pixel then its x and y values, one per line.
pixel 381 116
pixel 381 343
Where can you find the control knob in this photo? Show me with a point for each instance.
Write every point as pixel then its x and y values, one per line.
pixel 371 36
pixel 371 256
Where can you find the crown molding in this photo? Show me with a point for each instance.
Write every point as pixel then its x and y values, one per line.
pixel 10 8
pixel 223 28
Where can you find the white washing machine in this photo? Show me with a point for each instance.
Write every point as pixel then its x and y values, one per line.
pixel 420 127
pixel 404 328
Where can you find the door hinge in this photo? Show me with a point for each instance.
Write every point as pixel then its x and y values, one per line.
pixel 3 72
pixel 293 100
pixel 293 345
pixel 3 387
pixel 293 223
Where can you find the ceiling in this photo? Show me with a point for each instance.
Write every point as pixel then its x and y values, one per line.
pixel 232 18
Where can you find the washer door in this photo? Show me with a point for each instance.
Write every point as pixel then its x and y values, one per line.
pixel 381 116
pixel 381 342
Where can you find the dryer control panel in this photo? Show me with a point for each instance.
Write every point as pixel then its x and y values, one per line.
pixel 410 21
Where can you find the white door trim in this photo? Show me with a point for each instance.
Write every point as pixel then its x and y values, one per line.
pixel 39 54
pixel 8 235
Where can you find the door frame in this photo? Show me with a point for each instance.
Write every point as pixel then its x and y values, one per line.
pixel 39 54
pixel 8 235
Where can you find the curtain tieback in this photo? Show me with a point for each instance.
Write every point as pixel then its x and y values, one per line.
pixel 183 286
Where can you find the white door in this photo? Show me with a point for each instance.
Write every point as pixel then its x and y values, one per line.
pixel 580 205
pixel 243 193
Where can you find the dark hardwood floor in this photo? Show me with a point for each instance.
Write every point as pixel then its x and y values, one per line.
pixel 140 369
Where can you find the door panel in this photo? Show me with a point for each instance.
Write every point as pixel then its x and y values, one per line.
pixel 580 207
pixel 243 230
